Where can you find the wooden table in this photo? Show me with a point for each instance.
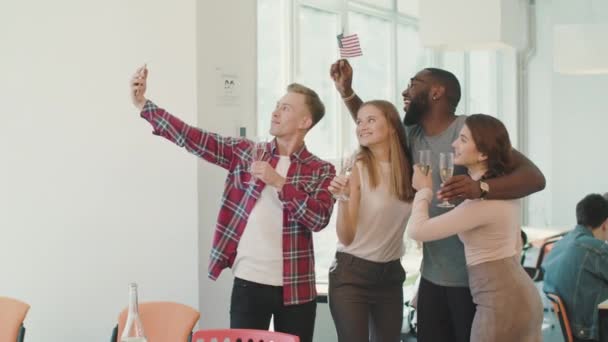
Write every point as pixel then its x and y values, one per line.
pixel 537 236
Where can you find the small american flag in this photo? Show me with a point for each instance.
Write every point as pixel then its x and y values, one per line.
pixel 349 46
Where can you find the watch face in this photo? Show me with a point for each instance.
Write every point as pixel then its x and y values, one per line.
pixel 484 186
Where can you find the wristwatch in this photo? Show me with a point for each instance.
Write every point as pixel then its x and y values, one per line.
pixel 485 188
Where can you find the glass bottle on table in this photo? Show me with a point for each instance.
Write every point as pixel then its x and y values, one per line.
pixel 134 329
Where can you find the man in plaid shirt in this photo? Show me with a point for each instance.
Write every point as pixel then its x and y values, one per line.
pixel 264 229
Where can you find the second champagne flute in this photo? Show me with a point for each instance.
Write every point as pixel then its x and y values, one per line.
pixel 446 170
pixel 346 167
pixel 424 161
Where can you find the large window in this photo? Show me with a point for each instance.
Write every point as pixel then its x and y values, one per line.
pixel 273 61
pixel 297 43
pixel 316 48
pixel 482 83
pixel 373 80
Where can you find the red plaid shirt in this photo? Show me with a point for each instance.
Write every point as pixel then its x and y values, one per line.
pixel 307 204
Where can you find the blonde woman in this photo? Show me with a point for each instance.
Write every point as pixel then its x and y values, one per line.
pixel 366 279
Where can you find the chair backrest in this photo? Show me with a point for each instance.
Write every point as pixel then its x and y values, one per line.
pixel 12 314
pixel 537 273
pixel 522 245
pixel 163 321
pixel 242 335
pixel 545 248
pixel 560 311
pixel 21 335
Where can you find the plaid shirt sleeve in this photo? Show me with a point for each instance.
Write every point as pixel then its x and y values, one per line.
pixel 313 210
pixel 212 147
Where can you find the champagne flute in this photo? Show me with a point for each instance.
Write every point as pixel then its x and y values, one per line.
pixel 347 163
pixel 446 170
pixel 257 152
pixel 424 161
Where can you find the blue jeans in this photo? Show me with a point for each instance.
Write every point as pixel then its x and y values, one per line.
pixel 252 305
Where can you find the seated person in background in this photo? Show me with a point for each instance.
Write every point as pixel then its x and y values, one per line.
pixel 577 268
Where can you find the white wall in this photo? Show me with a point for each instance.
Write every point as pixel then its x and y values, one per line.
pixel 89 199
pixel 568 117
pixel 226 36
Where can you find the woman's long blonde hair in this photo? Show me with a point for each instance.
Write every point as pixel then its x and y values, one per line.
pixel 399 156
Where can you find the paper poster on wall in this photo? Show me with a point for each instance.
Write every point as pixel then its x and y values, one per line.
pixel 228 88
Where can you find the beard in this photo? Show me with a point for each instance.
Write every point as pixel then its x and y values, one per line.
pixel 416 110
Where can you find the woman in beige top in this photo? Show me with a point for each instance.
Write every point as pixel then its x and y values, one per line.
pixel 366 279
pixel 509 307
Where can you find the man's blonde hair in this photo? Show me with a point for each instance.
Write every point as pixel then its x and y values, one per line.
pixel 312 101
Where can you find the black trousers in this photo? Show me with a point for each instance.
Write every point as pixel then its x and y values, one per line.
pixel 444 313
pixel 252 305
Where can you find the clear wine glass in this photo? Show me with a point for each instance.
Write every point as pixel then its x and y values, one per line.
pixel 446 170
pixel 257 153
pixel 347 162
pixel 424 161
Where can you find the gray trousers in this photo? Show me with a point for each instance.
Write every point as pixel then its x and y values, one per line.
pixel 366 299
